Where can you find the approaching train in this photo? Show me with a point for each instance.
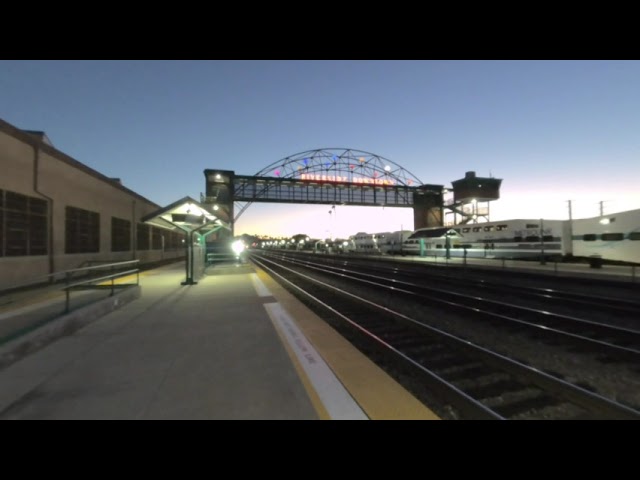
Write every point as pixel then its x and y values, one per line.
pixel 609 237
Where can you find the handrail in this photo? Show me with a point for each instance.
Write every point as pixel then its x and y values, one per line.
pixel 107 277
pixel 95 267
pixel 111 277
pixel 65 274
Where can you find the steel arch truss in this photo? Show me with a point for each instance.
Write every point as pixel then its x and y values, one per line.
pixel 329 176
pixel 341 162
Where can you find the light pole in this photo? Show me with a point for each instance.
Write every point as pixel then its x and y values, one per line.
pixel 333 210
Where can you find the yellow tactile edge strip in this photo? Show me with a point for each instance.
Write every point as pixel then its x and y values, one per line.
pixel 320 381
pixel 379 395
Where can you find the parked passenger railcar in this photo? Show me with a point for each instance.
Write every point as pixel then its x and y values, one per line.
pixel 610 237
pixel 512 239
pixel 378 243
pixel 613 237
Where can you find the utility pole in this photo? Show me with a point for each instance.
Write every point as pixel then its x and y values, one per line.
pixel 569 248
pixel 542 260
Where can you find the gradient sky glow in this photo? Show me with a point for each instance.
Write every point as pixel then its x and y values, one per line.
pixel 552 130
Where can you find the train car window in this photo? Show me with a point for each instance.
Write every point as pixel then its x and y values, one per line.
pixel 532 238
pixel 612 236
pixel 548 238
pixel 501 227
pixel 517 238
pixel 476 229
pixel 634 236
pixel 488 229
pixel 533 225
pixel 589 237
pixel 466 230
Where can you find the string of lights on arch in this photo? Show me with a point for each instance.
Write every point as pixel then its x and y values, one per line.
pixel 341 164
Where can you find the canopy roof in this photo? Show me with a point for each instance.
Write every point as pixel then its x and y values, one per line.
pixel 187 215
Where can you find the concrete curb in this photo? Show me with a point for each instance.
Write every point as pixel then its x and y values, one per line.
pixel 17 349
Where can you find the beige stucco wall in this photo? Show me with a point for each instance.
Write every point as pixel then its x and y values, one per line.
pixel 68 185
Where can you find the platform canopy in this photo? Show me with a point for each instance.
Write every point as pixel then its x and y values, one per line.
pixel 187 215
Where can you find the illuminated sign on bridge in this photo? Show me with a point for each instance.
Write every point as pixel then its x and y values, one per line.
pixel 343 179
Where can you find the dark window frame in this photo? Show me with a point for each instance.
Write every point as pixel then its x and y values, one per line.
pixel 612 237
pixel 120 235
pixel 24 225
pixel 82 231
pixel 143 237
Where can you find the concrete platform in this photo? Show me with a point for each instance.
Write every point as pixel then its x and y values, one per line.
pixel 234 346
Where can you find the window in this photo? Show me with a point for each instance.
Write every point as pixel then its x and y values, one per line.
pixel 82 231
pixel 488 229
pixel 589 237
pixel 501 227
pixel 156 238
pixel 634 236
pixel 466 230
pixel 142 237
pixel 608 237
pixel 533 225
pixel 173 241
pixel 517 238
pixel 547 238
pixel 476 229
pixel 120 235
pixel 23 225
pixel 1 223
pixel 38 226
pixel 532 238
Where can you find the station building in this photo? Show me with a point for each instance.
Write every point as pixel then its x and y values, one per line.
pixel 58 214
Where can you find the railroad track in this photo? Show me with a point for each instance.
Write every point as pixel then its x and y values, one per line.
pixel 610 342
pixel 476 381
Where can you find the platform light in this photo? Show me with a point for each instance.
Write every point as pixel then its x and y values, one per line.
pixel 218 176
pixel 387 169
pixel 237 246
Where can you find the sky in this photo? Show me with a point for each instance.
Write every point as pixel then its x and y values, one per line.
pixel 552 130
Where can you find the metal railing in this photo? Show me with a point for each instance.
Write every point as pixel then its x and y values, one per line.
pixel 220 257
pixel 625 273
pixel 98 283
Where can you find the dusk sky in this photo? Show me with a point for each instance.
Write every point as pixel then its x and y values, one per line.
pixel 552 130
